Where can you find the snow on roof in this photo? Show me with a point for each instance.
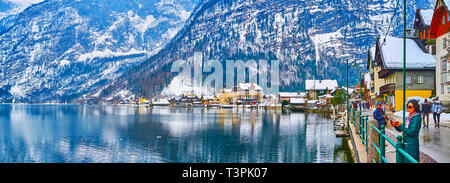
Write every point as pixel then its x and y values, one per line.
pixel 392 52
pixel 161 101
pixel 372 53
pixel 350 90
pixel 246 86
pixel 326 96
pixel 367 80
pixel 320 84
pixel 297 101
pixel 227 90
pixel 447 3
pixel 292 94
pixel 208 97
pixel 313 101
pixel 427 16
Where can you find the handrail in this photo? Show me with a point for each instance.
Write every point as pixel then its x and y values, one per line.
pixel 401 154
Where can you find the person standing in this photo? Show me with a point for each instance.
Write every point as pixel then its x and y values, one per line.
pixel 426 109
pixel 379 116
pixel 411 127
pixel 437 110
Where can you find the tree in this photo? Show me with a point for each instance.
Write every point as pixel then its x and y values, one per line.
pixel 285 102
pixel 338 98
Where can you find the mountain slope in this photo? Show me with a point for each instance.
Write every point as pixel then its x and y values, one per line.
pixel 58 50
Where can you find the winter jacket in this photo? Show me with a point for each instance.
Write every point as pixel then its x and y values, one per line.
pixel 378 115
pixel 412 128
pixel 437 107
pixel 426 107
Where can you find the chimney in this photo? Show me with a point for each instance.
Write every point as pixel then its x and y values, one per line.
pixel 408 32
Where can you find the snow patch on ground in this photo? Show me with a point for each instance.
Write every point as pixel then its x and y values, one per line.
pixel 107 54
pixel 327 39
pixel 444 116
pixel 179 85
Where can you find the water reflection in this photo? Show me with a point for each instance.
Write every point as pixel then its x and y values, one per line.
pixel 77 133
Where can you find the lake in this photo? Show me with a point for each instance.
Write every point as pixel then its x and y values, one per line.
pixel 94 133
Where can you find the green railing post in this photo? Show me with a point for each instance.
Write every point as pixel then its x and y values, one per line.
pixel 382 144
pixel 354 117
pixel 365 130
pixel 398 145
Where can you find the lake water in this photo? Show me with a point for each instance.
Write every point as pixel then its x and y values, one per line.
pixel 89 133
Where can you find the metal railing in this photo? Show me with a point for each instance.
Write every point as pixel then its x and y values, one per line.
pixel 362 126
pixel 401 155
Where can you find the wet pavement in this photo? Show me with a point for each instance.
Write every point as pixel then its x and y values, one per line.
pixel 436 143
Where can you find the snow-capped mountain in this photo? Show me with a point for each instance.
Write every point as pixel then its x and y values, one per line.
pixel 311 39
pixel 9 10
pixel 59 50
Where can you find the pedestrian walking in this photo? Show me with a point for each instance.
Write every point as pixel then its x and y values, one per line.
pixel 411 127
pixel 379 116
pixel 437 110
pixel 426 109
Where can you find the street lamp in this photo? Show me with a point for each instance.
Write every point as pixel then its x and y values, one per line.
pixel 353 63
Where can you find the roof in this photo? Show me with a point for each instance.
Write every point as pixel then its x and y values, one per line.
pixel 372 53
pixel 367 79
pixel 292 94
pixel 320 84
pixel 208 97
pixel 246 86
pixel 427 16
pixel 447 3
pixel 326 96
pixel 297 101
pixel 416 58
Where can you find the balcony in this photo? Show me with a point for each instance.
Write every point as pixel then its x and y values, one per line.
pixel 387 88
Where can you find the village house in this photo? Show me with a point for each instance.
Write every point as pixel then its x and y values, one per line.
pixel 316 88
pixel 420 68
pixel 243 93
pixel 374 68
pixel 439 31
pixel 282 96
pixel 422 23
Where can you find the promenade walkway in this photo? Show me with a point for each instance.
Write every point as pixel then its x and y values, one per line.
pixel 434 142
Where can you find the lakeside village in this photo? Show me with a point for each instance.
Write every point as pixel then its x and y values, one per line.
pixel 318 95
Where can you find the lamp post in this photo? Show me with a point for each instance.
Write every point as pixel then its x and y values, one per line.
pixel 347 95
pixel 404 63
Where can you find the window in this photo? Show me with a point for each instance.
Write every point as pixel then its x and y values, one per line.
pixel 444 43
pixel 444 65
pixel 442 89
pixel 444 78
pixel 408 79
pixel 443 20
pixel 448 89
pixel 420 79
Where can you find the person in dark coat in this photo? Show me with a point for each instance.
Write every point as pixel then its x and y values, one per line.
pixel 411 127
pixel 379 116
pixel 426 109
